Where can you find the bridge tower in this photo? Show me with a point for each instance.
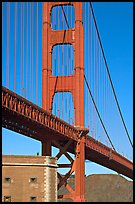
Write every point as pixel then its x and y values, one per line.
pixel 73 83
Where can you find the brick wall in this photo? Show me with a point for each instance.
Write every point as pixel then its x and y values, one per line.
pixel 29 178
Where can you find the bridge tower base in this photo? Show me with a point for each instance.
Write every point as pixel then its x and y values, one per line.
pixel 77 166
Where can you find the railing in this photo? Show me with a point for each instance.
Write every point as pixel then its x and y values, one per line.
pixel 107 151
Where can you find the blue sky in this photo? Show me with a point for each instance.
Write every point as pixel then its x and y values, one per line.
pixel 115 25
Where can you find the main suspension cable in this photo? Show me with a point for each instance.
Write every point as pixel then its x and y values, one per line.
pixel 109 74
pixel 37 54
pixel 98 112
pixel 15 34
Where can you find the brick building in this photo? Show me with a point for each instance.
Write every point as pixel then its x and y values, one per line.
pixel 29 178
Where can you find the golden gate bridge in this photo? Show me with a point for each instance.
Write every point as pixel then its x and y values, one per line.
pixel 58 44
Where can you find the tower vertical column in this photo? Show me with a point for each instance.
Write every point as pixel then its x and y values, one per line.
pixel 45 45
pixel 74 83
pixel 79 99
pixel 79 66
pixel 46 148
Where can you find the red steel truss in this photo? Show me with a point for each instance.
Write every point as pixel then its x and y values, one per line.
pixel 22 116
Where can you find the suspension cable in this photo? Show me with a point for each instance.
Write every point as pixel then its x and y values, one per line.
pixel 32 39
pixel 62 70
pixel 30 54
pixel 65 16
pixel 8 44
pixel 27 29
pixel 109 74
pixel 21 58
pixel 58 50
pixel 23 89
pixel 37 54
pixel 15 27
pixel 98 112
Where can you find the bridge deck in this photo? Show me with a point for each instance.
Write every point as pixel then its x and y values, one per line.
pixel 24 117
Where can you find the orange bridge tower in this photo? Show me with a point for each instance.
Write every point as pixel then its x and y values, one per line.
pixel 73 83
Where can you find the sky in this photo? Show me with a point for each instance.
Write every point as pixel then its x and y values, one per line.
pixel 115 25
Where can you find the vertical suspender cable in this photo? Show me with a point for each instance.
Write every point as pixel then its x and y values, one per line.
pixel 110 76
pixel 100 85
pixel 105 93
pixel 15 20
pixel 67 60
pixel 72 68
pixel 62 70
pixel 68 71
pixel 54 51
pixel 98 113
pixel 88 26
pixel 30 54
pixel 2 20
pixel 86 60
pixel 92 74
pixel 27 50
pixel 102 88
pixel 70 110
pixel 32 67
pixel 58 62
pixel 21 88
pixel 66 94
pixel 72 64
pixel 70 49
pixel 37 55
pixel 8 44
pixel 88 66
pixel 98 81
pixel 94 80
pixel 91 71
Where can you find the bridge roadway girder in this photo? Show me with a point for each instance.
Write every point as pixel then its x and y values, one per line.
pixel 20 115
pixel 100 155
pixel 14 119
